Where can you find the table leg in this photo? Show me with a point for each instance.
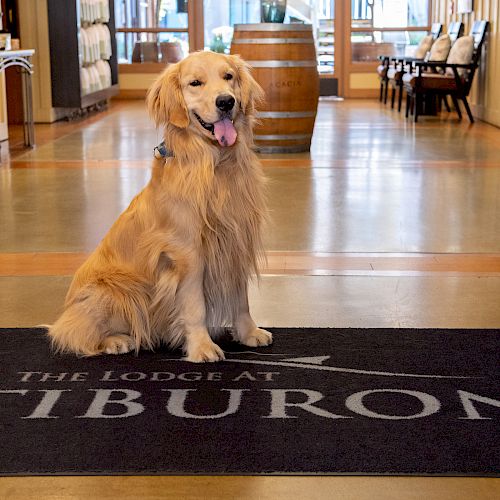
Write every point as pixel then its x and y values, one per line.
pixel 28 125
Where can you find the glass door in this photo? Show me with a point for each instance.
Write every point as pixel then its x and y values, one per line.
pixel 380 27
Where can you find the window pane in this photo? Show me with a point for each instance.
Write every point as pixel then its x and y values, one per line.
pixel 172 14
pixel 151 47
pixel 221 15
pixel 368 46
pixel 151 14
pixel 389 13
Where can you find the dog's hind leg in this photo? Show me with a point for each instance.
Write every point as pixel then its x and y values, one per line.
pixel 109 316
pixel 117 343
pixel 84 327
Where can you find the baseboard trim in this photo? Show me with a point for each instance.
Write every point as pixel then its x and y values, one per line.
pixel 131 94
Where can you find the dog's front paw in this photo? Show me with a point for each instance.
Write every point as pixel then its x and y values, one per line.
pixel 117 344
pixel 206 351
pixel 258 338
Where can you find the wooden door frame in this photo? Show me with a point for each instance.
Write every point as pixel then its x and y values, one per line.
pixel 342 11
pixel 196 25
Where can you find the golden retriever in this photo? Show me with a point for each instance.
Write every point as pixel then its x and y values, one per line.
pixel 174 267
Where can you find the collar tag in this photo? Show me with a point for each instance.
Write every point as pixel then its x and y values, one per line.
pixel 161 151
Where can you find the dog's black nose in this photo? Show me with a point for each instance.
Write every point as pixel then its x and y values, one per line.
pixel 225 102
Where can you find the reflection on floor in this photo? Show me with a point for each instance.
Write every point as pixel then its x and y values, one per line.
pixel 385 223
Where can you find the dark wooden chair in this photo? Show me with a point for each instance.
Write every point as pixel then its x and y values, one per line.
pixel 436 30
pixel 433 80
pixel 382 69
pixel 455 30
pixel 388 62
pixel 145 52
pixel 401 66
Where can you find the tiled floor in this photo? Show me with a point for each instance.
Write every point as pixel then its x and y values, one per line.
pixel 383 224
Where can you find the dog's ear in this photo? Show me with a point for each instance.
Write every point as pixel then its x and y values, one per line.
pixel 251 92
pixel 165 101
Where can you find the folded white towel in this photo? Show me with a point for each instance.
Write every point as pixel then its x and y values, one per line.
pixel 84 81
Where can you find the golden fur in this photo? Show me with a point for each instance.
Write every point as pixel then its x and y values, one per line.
pixel 174 267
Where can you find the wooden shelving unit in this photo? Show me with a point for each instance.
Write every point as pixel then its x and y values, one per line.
pixel 64 31
pixel 326 50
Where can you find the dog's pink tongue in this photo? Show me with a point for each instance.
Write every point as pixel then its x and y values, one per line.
pixel 225 132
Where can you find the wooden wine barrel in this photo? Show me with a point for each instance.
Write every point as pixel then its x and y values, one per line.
pixel 284 63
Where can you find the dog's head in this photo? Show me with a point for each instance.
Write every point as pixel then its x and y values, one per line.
pixel 208 93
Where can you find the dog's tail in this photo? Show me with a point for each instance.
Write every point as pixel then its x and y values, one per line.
pixel 115 302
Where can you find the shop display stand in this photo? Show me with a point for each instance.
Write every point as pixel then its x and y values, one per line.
pixel 66 57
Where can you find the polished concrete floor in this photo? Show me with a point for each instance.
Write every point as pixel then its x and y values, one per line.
pixel 384 224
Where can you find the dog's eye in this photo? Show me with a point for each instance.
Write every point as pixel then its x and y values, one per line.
pixel 228 76
pixel 195 83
